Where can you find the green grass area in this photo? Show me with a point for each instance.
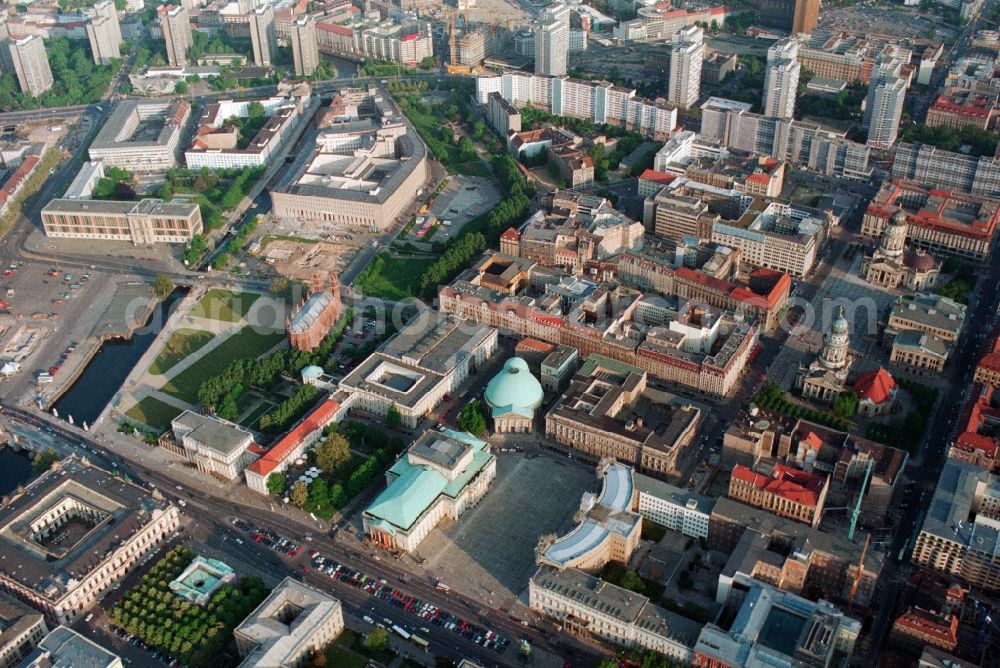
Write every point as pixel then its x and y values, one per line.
pixel 397 279
pixel 250 421
pixel 246 343
pixel 474 168
pixel 225 305
pixel 154 413
pixel 653 531
pixel 181 343
pixel 350 644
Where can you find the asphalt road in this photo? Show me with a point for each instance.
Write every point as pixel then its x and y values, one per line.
pixel 209 523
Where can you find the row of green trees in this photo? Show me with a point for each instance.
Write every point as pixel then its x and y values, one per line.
pixel 344 475
pixel 485 230
pixel 75 78
pixel 981 142
pixel 289 410
pixel 200 637
pixel 221 392
pixel 771 397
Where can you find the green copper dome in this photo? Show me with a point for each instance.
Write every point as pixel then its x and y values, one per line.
pixel 514 389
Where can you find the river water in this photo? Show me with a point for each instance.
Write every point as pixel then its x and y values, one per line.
pixel 15 468
pixel 94 388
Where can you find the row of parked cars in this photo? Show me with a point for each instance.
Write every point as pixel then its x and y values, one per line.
pixel 267 537
pixel 430 613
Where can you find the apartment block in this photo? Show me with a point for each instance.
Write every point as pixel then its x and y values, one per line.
pixel 802 144
pixel 26 59
pixel 886 95
pixel 551 48
pixel 599 102
pixel 175 25
pixel 263 38
pixel 932 167
pixel 781 79
pixel 305 52
pixel 104 35
pixel 686 54
pixel 504 117
pixel 960 537
pixel 963 109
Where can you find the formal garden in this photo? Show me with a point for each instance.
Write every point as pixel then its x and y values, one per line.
pixel 197 636
pixel 350 455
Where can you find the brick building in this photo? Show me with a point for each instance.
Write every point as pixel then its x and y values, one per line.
pixel 316 315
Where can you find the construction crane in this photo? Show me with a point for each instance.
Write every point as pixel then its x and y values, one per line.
pixel 859 572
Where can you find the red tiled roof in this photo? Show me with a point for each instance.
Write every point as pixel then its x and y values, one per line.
pixel 762 179
pixel 317 419
pixel 657 177
pixel 877 386
pixel 784 481
pixel 813 441
pixel 991 361
pixel 511 234
pixel 971 442
pixel 535 345
pixel 922 623
pixel 334 28
pixel 20 174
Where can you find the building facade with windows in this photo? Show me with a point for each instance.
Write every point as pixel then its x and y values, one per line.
pixel 441 475
pixel 678 509
pixel 586 604
pixel 117 524
pixel 148 221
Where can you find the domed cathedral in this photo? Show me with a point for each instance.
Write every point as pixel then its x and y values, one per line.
pixel 893 265
pixel 513 395
pixel 826 376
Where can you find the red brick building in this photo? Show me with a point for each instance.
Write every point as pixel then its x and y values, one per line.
pixel 312 321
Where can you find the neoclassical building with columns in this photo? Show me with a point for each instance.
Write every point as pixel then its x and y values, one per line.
pixel 442 474
pixel 893 265
pixel 826 376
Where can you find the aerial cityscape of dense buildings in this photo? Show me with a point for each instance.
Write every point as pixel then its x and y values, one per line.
pixel 499 334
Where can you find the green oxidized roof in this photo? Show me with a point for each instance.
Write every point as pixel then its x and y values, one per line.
pixel 514 389
pixel 415 488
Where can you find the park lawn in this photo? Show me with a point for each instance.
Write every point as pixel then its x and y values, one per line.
pixel 225 305
pixel 246 343
pixel 474 168
pixel 250 421
pixel 344 658
pixel 428 127
pixel 181 343
pixel 399 278
pixel 153 413
pixel 352 641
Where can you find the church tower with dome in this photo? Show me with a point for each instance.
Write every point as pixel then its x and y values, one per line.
pixel 826 376
pixel 893 265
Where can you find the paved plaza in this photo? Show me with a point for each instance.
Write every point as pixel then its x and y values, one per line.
pixel 865 307
pixel 489 554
